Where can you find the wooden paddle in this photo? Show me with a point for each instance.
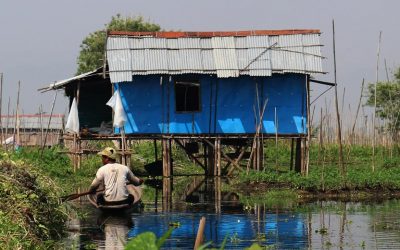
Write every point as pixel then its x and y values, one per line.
pixel 77 195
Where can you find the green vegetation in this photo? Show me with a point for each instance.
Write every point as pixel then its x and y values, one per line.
pixel 324 175
pixel 31 216
pixel 149 241
pixel 91 55
pixel 26 189
pixel 387 102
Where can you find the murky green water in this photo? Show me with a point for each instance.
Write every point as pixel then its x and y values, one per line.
pixel 316 225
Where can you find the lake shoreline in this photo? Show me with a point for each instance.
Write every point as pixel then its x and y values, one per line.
pixel 282 189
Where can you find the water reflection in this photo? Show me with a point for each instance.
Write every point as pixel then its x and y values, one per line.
pixel 316 225
pixel 115 230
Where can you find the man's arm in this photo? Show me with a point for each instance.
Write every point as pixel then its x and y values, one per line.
pixel 96 181
pixel 133 179
pixel 95 184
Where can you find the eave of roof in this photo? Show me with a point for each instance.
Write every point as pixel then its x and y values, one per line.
pixel 182 34
pixel 62 83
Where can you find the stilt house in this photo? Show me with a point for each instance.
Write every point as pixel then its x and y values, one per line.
pixel 210 89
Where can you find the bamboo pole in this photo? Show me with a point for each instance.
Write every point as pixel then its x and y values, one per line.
pixel 307 143
pixel 17 116
pixel 342 112
pixel 8 119
pixel 276 141
pixel 375 99
pixel 339 130
pixel 255 136
pixel 48 124
pixel 41 125
pixel 358 110
pixel 321 140
pixel 1 102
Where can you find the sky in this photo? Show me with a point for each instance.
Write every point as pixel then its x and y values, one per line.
pixel 39 41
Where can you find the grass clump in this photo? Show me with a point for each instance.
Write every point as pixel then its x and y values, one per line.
pixel 31 216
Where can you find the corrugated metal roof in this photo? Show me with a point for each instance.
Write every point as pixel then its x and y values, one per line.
pixel 62 83
pixel 180 34
pixel 226 54
pixel 35 122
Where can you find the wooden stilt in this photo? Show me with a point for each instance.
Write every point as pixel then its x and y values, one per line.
pixel 74 153
pixel 2 139
pixel 217 147
pixel 210 159
pixel 171 169
pixel 299 160
pixel 217 190
pixel 167 163
pixel 78 152
pixel 291 154
pixel 255 154
pixel 257 160
pixel 205 157
pixel 303 156
pixel 155 150
pixel 261 155
pixel 167 194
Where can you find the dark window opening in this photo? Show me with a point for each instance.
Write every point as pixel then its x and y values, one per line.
pixel 187 96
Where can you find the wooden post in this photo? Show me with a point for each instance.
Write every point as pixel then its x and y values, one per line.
pixel 339 129
pixel 291 154
pixel 200 233
pixel 155 150
pixel 8 119
pixel 217 153
pixel 299 160
pixel 276 140
pixel 308 139
pixel 74 152
pixel 17 116
pixel 375 100
pixel 167 194
pixel 48 124
pixel 167 163
pixel 41 125
pixel 303 155
pixel 258 154
pixel 210 159
pixel 171 169
pixel 1 102
pixel 205 159
pixel 217 194
pixel 79 155
pixel 261 154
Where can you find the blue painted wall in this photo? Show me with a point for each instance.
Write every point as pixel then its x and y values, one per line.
pixel 227 105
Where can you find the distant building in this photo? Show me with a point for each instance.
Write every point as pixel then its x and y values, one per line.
pixel 32 129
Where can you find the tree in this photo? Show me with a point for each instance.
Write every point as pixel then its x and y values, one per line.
pixel 387 102
pixel 91 55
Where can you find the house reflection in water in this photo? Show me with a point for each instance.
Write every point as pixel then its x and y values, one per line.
pixel 280 229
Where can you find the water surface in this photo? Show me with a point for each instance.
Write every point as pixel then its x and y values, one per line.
pixel 315 225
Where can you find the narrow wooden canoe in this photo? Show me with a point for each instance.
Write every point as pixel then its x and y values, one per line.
pixel 135 191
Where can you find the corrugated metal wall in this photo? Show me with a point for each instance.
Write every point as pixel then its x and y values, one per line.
pixel 227 105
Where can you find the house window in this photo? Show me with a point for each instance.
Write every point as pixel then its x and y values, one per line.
pixel 187 96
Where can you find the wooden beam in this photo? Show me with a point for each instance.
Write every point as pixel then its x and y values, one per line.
pixel 222 153
pixel 190 154
pixel 242 152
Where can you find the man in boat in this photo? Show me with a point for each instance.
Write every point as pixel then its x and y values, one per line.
pixel 114 177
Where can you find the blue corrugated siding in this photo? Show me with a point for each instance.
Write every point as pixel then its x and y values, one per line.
pixel 150 111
